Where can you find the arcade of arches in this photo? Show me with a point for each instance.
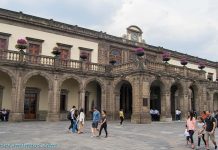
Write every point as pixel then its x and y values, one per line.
pixel 44 96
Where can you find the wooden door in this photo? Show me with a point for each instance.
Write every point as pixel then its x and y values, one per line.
pixel 2 47
pixel 30 103
pixel 65 56
pixel 34 51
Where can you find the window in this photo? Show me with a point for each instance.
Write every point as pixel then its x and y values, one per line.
pixel 116 54
pixel 88 51
pixel 34 49
pixel 65 53
pixel 4 38
pixel 132 55
pixel 210 76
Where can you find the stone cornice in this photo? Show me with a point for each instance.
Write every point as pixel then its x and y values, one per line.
pixel 74 29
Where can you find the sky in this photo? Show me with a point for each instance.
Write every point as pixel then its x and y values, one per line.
pixel 187 26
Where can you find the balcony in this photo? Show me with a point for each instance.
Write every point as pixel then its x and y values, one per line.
pixel 15 58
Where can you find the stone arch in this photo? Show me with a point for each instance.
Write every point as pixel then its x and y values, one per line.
pixel 66 77
pixel 34 73
pixel 10 74
pixel 193 97
pixel 94 94
pixel 115 87
pixel 176 99
pixel 157 100
pixel 101 83
pixel 37 95
pixel 123 97
pixel 215 101
pixel 7 89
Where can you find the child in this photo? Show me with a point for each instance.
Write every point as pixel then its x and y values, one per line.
pixel 186 134
pixel 201 126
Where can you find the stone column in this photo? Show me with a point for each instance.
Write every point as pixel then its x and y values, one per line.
pixel 140 92
pixel 185 104
pixel 18 93
pixel 54 102
pixel 210 100
pixel 165 105
pixel 82 98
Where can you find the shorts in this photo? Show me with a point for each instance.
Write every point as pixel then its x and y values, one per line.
pixel 208 134
pixel 94 124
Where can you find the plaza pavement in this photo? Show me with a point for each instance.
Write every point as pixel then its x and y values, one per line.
pixel 155 136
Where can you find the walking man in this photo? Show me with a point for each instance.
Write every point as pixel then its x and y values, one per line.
pixel 210 129
pixel 95 121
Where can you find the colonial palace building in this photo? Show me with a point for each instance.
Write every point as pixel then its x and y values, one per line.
pixel 36 85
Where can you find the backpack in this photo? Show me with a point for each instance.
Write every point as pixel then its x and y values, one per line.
pixel 69 115
pixel 215 121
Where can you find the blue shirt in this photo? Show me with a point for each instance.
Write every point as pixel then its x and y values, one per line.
pixel 96 116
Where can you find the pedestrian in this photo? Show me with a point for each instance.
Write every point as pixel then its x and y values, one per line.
pixel 186 134
pixel 121 114
pixel 152 114
pixel 81 121
pixel 178 114
pixel 201 131
pixel 210 129
pixel 75 121
pixel 71 117
pixel 4 115
pixel 191 127
pixel 95 121
pixel 103 124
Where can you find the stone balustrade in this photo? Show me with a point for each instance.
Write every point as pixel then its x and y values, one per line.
pixel 48 61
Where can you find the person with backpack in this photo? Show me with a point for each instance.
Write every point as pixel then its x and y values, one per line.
pixel 210 129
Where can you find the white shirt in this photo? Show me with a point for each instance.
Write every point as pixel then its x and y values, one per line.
pixel 151 111
pixel 82 117
pixel 178 112
pixel 72 113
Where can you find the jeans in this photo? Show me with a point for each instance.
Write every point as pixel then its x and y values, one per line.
pixel 74 126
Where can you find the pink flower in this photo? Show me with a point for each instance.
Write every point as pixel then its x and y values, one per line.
pixel 22 41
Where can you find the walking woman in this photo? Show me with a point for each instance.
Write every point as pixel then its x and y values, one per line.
pixel 103 123
pixel 201 131
pixel 81 121
pixel 191 124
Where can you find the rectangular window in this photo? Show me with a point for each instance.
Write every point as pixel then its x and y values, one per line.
pixel 88 51
pixel 4 38
pixel 65 53
pixel 63 100
pixel 34 49
pixel 210 76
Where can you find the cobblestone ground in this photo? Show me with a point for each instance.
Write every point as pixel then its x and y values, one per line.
pixel 155 136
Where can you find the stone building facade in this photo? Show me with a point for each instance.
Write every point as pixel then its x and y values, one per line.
pixel 37 86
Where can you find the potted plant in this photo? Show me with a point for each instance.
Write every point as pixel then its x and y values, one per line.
pixel 166 56
pixel 139 51
pixel 83 55
pixel 21 44
pixel 184 61
pixel 201 65
pixel 112 61
pixel 56 51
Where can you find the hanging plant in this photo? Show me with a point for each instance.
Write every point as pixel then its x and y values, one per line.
pixel 139 51
pixel 184 61
pixel 56 51
pixel 83 55
pixel 166 56
pixel 21 44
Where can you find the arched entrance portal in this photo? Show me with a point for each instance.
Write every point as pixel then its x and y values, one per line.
pixel 93 97
pixel 69 96
pixel 176 94
pixel 123 97
pixel 155 99
pixel 36 98
pixel 5 90
pixel 192 97
pixel 215 102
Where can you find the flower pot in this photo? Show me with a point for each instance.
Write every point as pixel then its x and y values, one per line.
pixel 184 63
pixel 56 52
pixel 139 51
pixel 21 46
pixel 83 56
pixel 166 59
pixel 201 67
pixel 112 62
